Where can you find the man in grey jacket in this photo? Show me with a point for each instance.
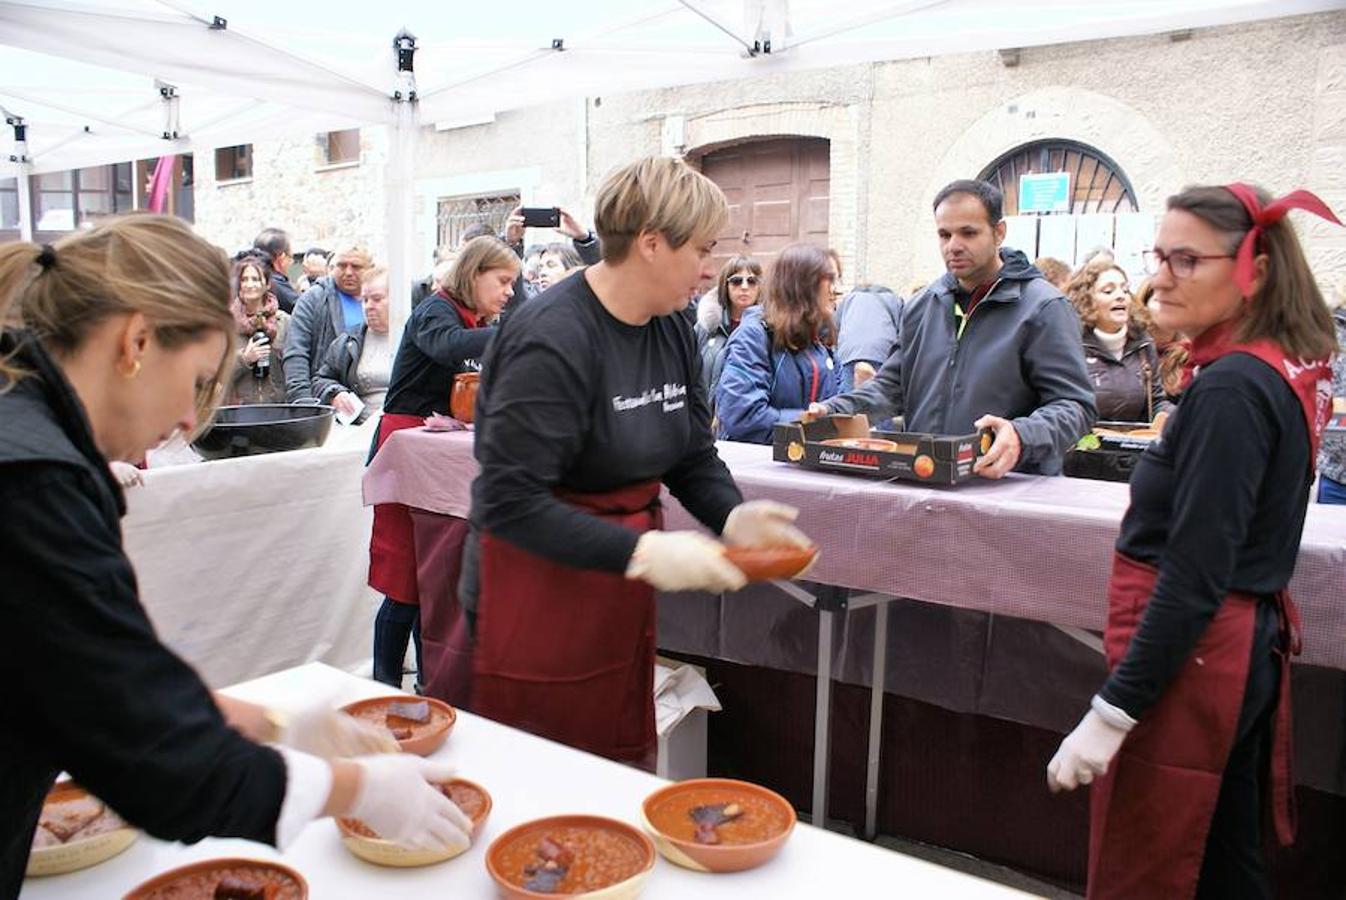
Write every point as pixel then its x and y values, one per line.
pixel 330 307
pixel 990 344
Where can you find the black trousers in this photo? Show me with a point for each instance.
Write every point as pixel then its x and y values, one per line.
pixel 1234 867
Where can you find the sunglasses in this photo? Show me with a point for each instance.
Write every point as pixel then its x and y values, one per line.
pixel 740 280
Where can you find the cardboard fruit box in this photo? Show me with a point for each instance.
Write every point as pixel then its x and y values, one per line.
pixel 847 444
pixel 1109 452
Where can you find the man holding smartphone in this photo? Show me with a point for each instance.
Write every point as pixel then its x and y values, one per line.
pixel 586 243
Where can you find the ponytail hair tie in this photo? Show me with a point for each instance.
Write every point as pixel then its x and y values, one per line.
pixel 46 258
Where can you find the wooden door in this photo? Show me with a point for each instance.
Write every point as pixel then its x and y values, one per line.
pixel 778 194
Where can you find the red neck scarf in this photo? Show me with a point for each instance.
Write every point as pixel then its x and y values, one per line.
pixel 469 316
pixel 1310 379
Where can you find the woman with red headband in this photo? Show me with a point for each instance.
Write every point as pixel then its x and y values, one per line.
pixel 1200 627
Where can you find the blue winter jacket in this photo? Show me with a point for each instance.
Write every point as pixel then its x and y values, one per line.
pixel 762 384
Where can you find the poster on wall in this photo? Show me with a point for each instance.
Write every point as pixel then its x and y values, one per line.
pixel 1021 233
pixel 1092 232
pixel 1056 238
pixel 1135 235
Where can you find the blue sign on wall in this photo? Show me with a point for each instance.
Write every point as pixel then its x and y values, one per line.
pixel 1049 192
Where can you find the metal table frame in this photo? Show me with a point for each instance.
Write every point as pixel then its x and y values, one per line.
pixel 828 602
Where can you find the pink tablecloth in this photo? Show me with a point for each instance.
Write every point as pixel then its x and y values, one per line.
pixel 1033 547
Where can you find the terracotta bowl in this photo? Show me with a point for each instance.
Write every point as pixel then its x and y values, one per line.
pixel 511 852
pixel 208 872
pixel 863 444
pixel 770 563
pixel 77 853
pixel 362 842
pixel 463 398
pixel 749 841
pixel 426 738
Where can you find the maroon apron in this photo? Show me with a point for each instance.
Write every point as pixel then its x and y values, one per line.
pixel 1151 813
pixel 567 653
pixel 446 646
pixel 392 542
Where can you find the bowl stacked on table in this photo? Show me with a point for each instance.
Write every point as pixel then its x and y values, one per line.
pixel 718 824
pixel 75 830
pixel 420 725
pixel 224 879
pixel 362 841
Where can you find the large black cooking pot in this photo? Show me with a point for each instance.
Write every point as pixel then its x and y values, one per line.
pixel 264 428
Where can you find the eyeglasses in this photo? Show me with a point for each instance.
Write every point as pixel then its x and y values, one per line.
pixel 1181 263
pixel 740 280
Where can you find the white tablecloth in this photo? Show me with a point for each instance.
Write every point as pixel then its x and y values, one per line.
pixel 528 777
pixel 251 565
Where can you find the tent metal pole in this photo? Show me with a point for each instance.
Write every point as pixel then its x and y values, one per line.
pixel 25 203
pixel 22 176
pixel 399 187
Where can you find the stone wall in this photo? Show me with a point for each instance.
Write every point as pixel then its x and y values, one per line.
pixel 1264 102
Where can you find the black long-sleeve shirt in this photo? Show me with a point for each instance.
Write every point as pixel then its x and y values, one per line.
pixel 1217 505
pixel 87 686
pixel 436 345
pixel 572 398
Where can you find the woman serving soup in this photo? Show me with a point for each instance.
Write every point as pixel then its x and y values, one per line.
pixel 588 404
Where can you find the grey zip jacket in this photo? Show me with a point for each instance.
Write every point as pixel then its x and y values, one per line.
pixel 1019 357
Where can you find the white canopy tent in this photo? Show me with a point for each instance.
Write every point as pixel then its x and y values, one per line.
pixel 101 81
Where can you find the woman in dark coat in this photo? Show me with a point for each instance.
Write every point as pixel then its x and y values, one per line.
pixel 447 334
pixel 116 338
pixel 1118 350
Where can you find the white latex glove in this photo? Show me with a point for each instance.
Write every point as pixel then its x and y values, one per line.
pixel 1085 753
pixel 764 523
pixel 328 734
pixel 683 561
pixel 398 800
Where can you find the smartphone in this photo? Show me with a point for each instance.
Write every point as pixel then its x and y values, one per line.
pixel 541 216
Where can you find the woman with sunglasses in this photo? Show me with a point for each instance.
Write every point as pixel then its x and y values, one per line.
pixel 738 288
pixel 1200 627
pixel 780 358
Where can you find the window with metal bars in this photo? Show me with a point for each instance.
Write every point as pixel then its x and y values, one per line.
pixel 456 214
pixel 1097 184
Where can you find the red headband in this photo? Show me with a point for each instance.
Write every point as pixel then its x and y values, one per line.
pixel 1264 216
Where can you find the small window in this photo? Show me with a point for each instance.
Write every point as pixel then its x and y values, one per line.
pixel 456 214
pixel 336 147
pixel 232 163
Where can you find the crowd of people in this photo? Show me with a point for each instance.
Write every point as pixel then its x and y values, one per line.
pixel 608 370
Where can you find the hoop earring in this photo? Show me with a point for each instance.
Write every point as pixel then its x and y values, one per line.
pixel 134 371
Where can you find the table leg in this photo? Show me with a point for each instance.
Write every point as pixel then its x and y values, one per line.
pixel 876 718
pixel 822 718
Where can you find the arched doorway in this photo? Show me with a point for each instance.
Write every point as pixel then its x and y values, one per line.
pixel 1096 183
pixel 778 192
pixel 1066 200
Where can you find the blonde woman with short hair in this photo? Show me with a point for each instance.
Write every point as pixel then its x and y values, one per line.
pixel 590 402
pixel 113 339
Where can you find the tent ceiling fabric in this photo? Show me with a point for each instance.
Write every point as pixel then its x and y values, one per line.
pixel 82 74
